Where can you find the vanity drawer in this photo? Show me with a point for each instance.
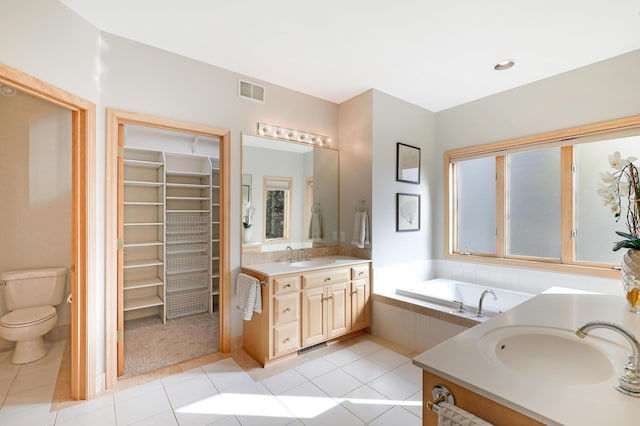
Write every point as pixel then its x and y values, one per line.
pixel 286 338
pixel 286 308
pixel 359 271
pixel 325 277
pixel 286 284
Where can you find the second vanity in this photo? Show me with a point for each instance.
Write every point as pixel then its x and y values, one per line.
pixel 307 303
pixel 527 366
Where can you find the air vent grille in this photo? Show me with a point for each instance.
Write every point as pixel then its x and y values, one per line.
pixel 252 91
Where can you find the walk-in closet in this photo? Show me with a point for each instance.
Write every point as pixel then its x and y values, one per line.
pixel 169 247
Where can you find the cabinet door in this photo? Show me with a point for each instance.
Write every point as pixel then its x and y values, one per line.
pixel 338 309
pixel 314 313
pixel 286 338
pixel 360 305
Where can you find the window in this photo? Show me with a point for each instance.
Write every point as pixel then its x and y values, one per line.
pixel 277 204
pixel 533 201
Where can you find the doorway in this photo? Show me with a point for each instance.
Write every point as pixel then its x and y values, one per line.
pixel 83 180
pixel 116 244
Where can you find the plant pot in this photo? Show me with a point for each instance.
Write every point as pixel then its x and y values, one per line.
pixel 631 263
pixel 246 235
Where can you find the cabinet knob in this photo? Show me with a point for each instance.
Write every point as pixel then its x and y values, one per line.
pixel 287 310
pixel 327 279
pixel 354 291
pixel 287 340
pixel 287 286
pixel 360 273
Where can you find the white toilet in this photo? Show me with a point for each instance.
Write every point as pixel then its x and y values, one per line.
pixel 30 296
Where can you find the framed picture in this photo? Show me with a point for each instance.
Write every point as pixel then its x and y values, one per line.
pixel 407 163
pixel 407 212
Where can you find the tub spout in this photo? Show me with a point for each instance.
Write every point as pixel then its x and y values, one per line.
pixel 480 312
pixel 630 380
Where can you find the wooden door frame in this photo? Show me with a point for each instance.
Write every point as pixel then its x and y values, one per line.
pixel 83 253
pixel 114 119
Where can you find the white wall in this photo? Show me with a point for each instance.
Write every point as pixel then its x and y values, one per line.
pixel 395 120
pixel 45 39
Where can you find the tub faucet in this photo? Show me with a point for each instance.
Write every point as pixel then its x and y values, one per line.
pixel 630 380
pixel 480 312
pixel 307 256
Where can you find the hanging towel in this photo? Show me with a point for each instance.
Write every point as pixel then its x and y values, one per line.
pixel 360 229
pixel 315 224
pixel 248 296
pixel 450 415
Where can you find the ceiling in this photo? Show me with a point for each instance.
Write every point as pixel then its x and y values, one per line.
pixel 433 53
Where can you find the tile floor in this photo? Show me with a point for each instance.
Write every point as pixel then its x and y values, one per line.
pixel 363 383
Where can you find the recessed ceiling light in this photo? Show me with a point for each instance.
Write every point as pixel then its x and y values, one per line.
pixel 504 65
pixel 7 90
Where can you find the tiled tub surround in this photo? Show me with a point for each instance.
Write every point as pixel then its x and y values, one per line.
pixel 472 360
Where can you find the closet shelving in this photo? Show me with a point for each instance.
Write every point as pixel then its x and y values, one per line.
pixel 143 236
pixel 215 233
pixel 188 232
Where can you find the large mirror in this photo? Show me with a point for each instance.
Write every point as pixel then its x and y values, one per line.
pixel 290 195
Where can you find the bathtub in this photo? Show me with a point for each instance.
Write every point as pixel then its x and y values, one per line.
pixel 454 294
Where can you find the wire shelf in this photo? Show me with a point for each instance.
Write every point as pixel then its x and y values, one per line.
pixel 187 219
pixel 182 264
pixel 190 281
pixel 189 238
pixel 186 303
pixel 186 248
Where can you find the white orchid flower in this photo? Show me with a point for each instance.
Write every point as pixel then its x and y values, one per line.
pixel 631 159
pixel 607 177
pixel 615 208
pixel 623 188
pixel 616 161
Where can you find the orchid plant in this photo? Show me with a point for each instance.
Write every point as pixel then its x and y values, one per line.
pixel 248 215
pixel 620 192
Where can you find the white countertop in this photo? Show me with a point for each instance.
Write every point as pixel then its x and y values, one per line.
pixel 280 268
pixel 463 361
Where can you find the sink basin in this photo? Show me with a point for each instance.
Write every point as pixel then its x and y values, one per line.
pixel 553 355
pixel 312 263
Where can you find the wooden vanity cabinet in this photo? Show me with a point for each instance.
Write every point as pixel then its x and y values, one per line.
pixel 304 309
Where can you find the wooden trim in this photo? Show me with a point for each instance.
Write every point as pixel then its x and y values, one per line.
pixel 567 212
pixel 116 118
pixel 501 206
pixel 450 226
pixel 120 251
pixel 558 137
pixel 83 129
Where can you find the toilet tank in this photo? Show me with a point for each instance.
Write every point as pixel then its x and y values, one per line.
pixel 33 287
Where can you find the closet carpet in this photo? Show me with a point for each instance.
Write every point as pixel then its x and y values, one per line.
pixel 150 345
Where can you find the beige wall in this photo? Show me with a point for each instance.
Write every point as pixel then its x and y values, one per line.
pixel 35 171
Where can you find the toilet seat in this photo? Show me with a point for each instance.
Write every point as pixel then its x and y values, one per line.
pixel 27 316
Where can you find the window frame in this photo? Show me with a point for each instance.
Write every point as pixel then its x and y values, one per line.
pixel 565 139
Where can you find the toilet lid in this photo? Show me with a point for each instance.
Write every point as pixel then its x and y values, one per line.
pixel 22 317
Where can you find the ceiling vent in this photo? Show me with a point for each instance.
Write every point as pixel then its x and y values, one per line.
pixel 252 91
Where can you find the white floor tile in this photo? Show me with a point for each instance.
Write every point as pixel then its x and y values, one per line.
pixel 226 373
pixel 342 357
pixel 365 348
pixel 204 412
pixel 394 387
pixel 284 381
pixel 388 359
pixel 39 415
pixel 366 403
pixel 166 418
pixel 8 371
pixel 27 400
pixel 337 383
pixel 104 416
pixel 181 377
pixel 136 391
pixel 315 368
pixel 337 415
pixel 227 421
pixel 364 370
pixel 306 401
pixel 141 407
pixel 415 405
pixel 253 404
pixel 397 416
pixel 410 372
pixel 29 379
pixel 102 406
pixel 189 391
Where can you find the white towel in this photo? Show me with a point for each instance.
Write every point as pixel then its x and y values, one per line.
pixel 360 230
pixel 248 296
pixel 450 415
pixel 315 227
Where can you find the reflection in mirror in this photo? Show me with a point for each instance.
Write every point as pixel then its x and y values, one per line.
pixel 277 208
pixel 313 213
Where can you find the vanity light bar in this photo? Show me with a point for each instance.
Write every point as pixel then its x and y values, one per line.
pixel 283 133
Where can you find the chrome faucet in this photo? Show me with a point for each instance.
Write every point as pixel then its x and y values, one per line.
pixel 480 313
pixel 289 254
pixel 630 380
pixel 307 256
